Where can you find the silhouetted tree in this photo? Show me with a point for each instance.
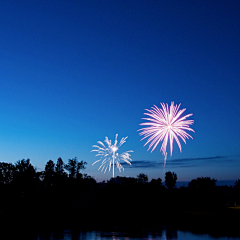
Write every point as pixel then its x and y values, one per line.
pixel 237 184
pixel 60 196
pixel 24 166
pixel 7 171
pixel 203 183
pixel 156 182
pixel 60 175
pixel 59 168
pixel 74 167
pixel 142 178
pixel 24 171
pixel 203 192
pixel 156 191
pixel 80 166
pixel 170 180
pixel 49 173
pixel 25 180
pixel 49 168
pixel 236 188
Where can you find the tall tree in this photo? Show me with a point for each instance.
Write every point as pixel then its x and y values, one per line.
pixel 74 167
pixel 49 173
pixel 25 178
pixel 170 180
pixel 59 168
pixel 49 167
pixel 24 171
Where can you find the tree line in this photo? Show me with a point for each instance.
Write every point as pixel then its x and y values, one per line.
pixel 63 195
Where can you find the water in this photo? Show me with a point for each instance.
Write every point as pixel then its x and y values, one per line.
pixel 165 234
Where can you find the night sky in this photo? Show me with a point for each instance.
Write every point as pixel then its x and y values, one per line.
pixel 73 72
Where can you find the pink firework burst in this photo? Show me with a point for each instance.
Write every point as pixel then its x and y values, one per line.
pixel 166 124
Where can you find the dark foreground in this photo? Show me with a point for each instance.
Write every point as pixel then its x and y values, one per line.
pixel 128 209
pixel 54 199
pixel 214 224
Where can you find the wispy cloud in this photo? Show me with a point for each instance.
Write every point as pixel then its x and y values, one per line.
pixel 196 159
pixel 143 164
pixel 181 162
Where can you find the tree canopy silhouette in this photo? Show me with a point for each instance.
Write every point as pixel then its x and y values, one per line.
pixel 74 167
pixel 170 180
pixel 61 192
pixel 142 178
pixel 202 183
pixel 7 172
pixel 59 168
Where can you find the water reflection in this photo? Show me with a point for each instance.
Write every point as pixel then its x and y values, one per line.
pixel 171 234
pixel 165 234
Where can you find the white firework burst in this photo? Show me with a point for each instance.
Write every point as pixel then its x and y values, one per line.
pixel 109 155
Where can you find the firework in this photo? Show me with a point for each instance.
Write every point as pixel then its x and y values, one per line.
pixel 166 124
pixel 109 154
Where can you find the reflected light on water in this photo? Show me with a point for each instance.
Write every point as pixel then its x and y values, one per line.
pixel 165 234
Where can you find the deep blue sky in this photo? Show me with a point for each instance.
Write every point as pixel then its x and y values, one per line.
pixel 73 72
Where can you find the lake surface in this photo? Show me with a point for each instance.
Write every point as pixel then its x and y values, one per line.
pixel 165 234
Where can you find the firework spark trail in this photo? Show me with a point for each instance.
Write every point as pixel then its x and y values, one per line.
pixel 165 160
pixel 166 124
pixel 109 156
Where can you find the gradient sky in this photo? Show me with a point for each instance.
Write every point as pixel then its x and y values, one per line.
pixel 73 72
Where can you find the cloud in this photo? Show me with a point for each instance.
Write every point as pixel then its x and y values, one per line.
pixel 181 162
pixel 192 162
pixel 197 159
pixel 143 164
